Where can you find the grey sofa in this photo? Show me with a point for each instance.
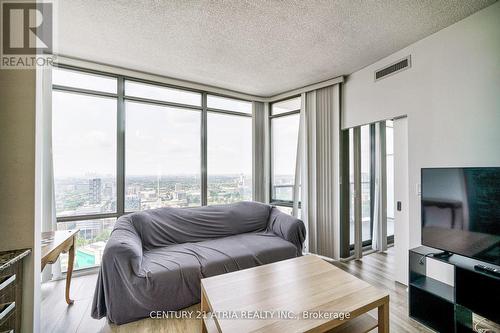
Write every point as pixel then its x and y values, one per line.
pixel 154 259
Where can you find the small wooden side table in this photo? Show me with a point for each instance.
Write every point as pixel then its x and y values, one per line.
pixel 53 244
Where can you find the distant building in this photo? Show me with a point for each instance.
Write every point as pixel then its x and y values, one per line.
pixel 95 191
pixel 132 202
pixel 134 189
pixel 180 187
pixel 180 195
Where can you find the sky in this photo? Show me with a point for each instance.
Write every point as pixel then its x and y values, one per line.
pixel 159 140
pixel 285 131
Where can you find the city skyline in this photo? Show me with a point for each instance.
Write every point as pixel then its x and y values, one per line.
pixel 93 195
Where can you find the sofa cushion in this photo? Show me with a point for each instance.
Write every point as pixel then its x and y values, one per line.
pixel 267 247
pixel 188 263
pixel 172 274
pixel 229 254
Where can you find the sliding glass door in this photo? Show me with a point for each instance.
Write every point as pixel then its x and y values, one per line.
pixel 366 181
pixel 389 142
pixel 361 146
pixel 366 161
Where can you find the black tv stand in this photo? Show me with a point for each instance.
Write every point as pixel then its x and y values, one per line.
pixel 487 269
pixel 452 308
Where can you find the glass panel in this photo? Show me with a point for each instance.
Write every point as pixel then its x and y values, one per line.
pixel 81 80
pixel 162 157
pixel 286 106
pixel 230 104
pixel 285 132
pixel 389 139
pixel 365 183
pixel 90 241
pixel 84 151
pixel 160 93
pixel 229 153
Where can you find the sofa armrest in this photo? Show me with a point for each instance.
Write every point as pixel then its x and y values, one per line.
pixel 121 262
pixel 124 247
pixel 287 227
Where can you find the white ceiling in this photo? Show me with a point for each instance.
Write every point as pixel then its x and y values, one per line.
pixel 260 47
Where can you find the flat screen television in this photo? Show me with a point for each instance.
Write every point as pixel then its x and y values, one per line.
pixel 460 211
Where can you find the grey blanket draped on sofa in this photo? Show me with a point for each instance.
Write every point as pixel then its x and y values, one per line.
pixel 155 259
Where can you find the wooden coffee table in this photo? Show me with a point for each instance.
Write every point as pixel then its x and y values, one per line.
pixel 278 296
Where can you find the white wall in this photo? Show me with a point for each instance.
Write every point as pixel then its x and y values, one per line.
pixel 401 217
pixel 451 96
pixel 17 181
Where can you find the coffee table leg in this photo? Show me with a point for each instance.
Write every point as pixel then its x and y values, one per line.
pixel 383 317
pixel 204 310
pixel 71 261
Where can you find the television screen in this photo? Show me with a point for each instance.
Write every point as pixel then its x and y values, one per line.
pixel 461 211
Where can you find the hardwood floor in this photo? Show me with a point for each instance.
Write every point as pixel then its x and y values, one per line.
pixel 376 269
pixel 58 317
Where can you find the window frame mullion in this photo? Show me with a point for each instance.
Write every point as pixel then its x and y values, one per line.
pixel 120 148
pixel 203 150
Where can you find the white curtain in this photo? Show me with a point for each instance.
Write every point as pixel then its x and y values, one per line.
pixel 379 236
pixel 318 168
pixel 48 196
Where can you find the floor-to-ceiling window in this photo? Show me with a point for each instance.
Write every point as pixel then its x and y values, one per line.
pixel 122 145
pixel 84 138
pixel 284 122
pixel 162 157
pixel 162 147
pixel 229 150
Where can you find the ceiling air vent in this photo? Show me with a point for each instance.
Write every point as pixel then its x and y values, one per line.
pixel 394 68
